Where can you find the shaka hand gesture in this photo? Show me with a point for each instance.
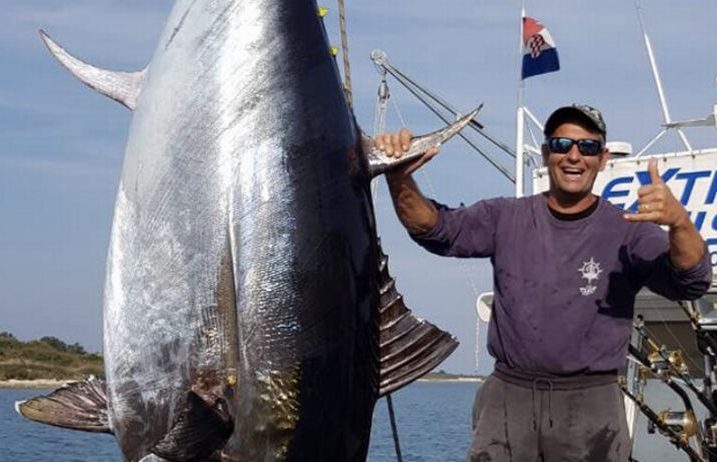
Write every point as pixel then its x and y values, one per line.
pixel 656 202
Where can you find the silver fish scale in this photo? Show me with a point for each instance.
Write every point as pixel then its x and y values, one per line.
pixel 242 150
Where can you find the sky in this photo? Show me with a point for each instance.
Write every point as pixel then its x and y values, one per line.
pixel 61 145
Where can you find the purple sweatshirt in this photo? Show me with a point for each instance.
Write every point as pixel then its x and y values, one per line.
pixel 564 290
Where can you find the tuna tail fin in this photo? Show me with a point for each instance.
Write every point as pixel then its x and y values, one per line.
pixel 201 429
pixel 379 162
pixel 77 406
pixel 123 87
pixel 409 347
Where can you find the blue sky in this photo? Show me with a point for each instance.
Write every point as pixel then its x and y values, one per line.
pixel 61 145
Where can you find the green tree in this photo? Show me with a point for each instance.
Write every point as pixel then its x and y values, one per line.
pixel 7 336
pixel 76 348
pixel 56 343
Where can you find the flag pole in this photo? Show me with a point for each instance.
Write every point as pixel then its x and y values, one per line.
pixel 520 116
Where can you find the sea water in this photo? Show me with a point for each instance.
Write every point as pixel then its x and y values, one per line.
pixel 433 418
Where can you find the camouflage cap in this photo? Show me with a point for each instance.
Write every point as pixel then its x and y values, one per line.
pixel 580 111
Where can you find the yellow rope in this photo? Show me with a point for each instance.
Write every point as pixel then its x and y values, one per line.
pixel 345 48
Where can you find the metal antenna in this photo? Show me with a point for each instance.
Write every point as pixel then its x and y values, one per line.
pixel 656 76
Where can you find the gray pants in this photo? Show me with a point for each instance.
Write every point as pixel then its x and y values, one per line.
pixel 514 423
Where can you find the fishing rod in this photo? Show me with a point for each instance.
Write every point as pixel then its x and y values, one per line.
pixel 663 362
pixel 665 428
pixel 665 365
pixel 663 374
pixel 705 339
pixel 677 426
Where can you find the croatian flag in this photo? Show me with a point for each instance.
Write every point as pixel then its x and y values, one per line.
pixel 539 53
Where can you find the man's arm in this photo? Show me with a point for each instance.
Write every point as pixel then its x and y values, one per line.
pixel 658 205
pixel 417 214
pixel 686 245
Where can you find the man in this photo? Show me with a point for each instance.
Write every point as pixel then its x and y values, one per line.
pixel 567 266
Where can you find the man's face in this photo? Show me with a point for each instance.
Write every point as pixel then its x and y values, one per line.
pixel 572 174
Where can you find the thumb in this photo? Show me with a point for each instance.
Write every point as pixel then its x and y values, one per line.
pixel 655 177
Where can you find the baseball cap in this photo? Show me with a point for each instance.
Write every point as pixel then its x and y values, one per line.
pixel 580 111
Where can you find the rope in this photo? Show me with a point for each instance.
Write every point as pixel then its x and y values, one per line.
pixel 345 53
pixel 382 97
pixel 379 122
pixel 394 428
pixel 398 113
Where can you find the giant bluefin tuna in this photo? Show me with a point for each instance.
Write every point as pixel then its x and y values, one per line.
pixel 248 310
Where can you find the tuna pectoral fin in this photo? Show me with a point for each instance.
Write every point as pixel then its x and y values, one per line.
pixel 123 87
pixel 200 429
pixel 409 347
pixel 379 162
pixel 78 406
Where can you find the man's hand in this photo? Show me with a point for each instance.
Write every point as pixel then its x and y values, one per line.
pixel 657 204
pixel 396 145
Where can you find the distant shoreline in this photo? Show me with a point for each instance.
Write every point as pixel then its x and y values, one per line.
pixel 51 384
pixel 31 384
pixel 453 379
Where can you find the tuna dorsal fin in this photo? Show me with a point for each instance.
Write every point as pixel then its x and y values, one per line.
pixel 410 347
pixel 77 405
pixel 201 428
pixel 123 87
pixel 379 162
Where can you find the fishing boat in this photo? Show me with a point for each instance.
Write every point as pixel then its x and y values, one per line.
pixel 674 344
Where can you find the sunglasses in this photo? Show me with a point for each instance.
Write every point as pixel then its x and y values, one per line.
pixel 587 147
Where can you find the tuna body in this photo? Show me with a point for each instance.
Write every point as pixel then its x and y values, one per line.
pixel 243 262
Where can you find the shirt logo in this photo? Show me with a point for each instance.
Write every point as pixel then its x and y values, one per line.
pixel 591 273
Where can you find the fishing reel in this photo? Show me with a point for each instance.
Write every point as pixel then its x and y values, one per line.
pixel 682 428
pixel 671 362
pixel 683 423
pixel 664 363
pixel 696 437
